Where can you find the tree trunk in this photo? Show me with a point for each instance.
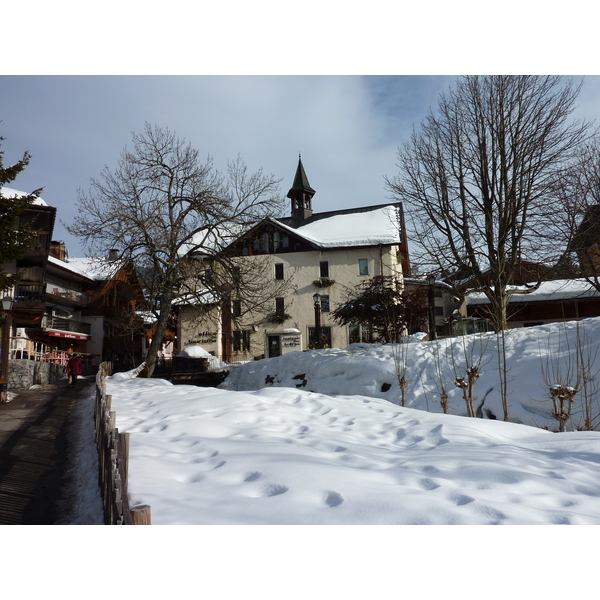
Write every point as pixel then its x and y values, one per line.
pixel 157 339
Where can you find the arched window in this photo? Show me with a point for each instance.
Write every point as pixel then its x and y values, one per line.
pixel 256 246
pixel 265 242
pixel 286 242
pixel 276 241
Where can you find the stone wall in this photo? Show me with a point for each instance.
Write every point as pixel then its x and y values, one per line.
pixel 22 374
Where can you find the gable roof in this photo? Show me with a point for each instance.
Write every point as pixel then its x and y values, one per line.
pixel 94 269
pixel 560 289
pixel 357 227
pixel 367 226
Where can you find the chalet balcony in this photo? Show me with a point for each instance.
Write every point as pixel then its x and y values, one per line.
pixel 70 296
pixel 66 327
pixel 31 293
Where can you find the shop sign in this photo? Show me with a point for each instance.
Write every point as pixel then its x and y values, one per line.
pixel 71 336
pixel 204 337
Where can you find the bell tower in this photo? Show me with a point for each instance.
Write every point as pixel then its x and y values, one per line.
pixel 301 196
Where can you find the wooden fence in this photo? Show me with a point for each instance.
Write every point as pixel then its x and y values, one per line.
pixel 113 451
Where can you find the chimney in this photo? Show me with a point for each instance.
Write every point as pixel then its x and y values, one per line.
pixel 58 250
pixel 113 255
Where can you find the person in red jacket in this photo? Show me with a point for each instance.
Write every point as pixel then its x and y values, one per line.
pixel 74 368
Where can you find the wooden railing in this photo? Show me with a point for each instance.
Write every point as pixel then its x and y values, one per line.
pixel 113 451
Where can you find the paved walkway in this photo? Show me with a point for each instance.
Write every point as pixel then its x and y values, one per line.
pixel 33 442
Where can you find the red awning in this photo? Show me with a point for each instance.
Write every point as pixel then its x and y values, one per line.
pixel 71 336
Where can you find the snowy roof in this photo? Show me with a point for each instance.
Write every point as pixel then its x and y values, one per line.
pixel 561 289
pixel 96 269
pixel 367 227
pixel 10 193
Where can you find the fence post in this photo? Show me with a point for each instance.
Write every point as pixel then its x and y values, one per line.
pixel 113 450
pixel 140 514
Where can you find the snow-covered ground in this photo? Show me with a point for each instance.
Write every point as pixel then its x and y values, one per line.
pixel 317 438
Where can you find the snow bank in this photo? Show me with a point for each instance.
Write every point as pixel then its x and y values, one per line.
pixel 288 456
pixel 317 438
pixel 199 352
pixel 370 370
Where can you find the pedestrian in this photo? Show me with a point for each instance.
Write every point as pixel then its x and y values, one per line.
pixel 74 368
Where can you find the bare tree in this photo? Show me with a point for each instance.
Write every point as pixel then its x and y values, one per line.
pixel 473 368
pixel 579 191
pixel 399 354
pixel 479 181
pixel 562 378
pixel 173 216
pixel 441 383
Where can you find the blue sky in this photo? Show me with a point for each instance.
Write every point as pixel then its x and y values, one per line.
pixel 347 128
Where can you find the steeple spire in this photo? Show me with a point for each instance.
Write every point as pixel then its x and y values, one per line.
pixel 301 195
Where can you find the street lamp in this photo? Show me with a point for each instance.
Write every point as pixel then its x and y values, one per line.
pixel 431 302
pixel 7 303
pixel 317 302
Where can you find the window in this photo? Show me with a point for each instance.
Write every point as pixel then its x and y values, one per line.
pixel 241 341
pixel 286 242
pixel 353 334
pixel 324 268
pixel 325 337
pixel 324 303
pixel 236 308
pixel 276 241
pixel 256 246
pixel 363 266
pixel 280 306
pixel 438 311
pixel 265 243
pixel 279 271
pixel 359 333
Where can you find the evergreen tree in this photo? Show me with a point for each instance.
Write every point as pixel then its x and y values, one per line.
pixel 380 305
pixel 16 236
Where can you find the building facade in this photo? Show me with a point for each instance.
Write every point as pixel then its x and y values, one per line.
pixel 318 258
pixel 29 294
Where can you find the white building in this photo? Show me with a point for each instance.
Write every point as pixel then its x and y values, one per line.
pixel 325 253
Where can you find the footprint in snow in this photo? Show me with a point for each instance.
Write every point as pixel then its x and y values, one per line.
pixel 333 499
pixel 461 499
pixel 400 434
pixel 560 519
pixel 430 469
pixel 429 484
pixel 275 490
pixel 488 511
pixel 568 502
